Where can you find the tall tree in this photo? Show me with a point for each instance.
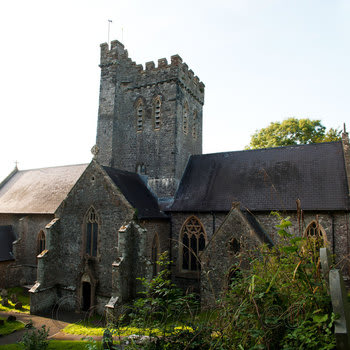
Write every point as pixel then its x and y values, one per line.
pixel 292 131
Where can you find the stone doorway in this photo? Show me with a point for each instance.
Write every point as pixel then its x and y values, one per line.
pixel 86 296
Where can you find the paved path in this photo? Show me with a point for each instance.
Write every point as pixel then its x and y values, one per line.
pixel 54 326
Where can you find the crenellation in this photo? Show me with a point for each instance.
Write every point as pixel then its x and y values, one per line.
pixel 139 67
pixel 150 65
pixel 191 74
pixel 176 60
pixel 162 62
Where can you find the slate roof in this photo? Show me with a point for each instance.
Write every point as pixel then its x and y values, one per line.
pixel 38 191
pixel 266 179
pixel 136 192
pixel 7 237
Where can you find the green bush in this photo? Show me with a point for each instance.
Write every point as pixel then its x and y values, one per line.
pixel 35 339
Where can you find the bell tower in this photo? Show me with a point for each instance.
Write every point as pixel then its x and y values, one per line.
pixel 149 119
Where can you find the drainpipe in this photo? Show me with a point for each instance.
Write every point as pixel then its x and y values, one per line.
pixel 333 235
pixel 213 215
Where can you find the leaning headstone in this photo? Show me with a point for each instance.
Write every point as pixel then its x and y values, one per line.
pixel 11 318
pixel 326 263
pixel 13 298
pixel 4 301
pixel 107 340
pixel 341 308
pixel 18 306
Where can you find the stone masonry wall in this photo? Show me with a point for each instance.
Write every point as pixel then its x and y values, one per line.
pixel 93 189
pixel 26 228
pixel 163 151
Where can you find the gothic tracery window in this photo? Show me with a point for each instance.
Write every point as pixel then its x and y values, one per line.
pixel 41 242
pixel 139 115
pixel 193 239
pixel 156 112
pixel 91 228
pixel 185 119
pixel 316 232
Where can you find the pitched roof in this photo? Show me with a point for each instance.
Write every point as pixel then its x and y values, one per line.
pixel 136 192
pixel 38 191
pixel 266 179
pixel 7 237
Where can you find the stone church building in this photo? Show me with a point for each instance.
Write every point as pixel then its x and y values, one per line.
pixel 81 235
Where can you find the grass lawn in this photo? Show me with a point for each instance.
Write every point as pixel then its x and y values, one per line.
pixel 53 344
pixel 84 328
pixel 24 299
pixel 10 327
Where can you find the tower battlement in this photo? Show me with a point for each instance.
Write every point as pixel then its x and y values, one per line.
pixel 138 76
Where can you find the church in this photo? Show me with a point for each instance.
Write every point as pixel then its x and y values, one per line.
pixel 81 235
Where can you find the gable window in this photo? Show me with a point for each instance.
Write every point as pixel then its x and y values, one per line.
pixel 91 229
pixel 192 243
pixel 41 242
pixel 139 115
pixel 155 255
pixel 194 125
pixel 156 112
pixel 185 119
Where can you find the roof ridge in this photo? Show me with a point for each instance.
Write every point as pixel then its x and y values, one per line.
pixel 52 167
pixel 267 148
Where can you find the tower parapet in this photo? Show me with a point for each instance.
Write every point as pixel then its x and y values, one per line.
pixel 149 75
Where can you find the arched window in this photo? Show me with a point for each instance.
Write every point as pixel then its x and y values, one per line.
pixel 156 112
pixel 185 119
pixel 41 244
pixel 141 169
pixel 193 239
pixel 155 255
pixel 194 125
pixel 139 115
pixel 314 229
pixel 91 232
pixel 316 234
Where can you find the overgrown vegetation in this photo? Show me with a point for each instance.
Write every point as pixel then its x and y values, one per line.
pixel 21 296
pixel 35 339
pixel 10 327
pixel 281 302
pixel 54 345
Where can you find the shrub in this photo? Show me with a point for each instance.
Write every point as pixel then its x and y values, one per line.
pixel 36 339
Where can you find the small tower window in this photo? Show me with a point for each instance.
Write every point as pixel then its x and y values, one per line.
pixel 185 119
pixel 193 240
pixel 41 242
pixel 141 169
pixel 91 228
pixel 156 112
pixel 194 125
pixel 139 115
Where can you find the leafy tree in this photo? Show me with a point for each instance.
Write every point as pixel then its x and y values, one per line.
pixel 292 131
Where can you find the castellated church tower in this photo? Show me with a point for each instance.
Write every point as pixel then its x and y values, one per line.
pixel 149 120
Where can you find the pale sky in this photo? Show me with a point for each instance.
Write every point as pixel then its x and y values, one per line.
pixel 261 61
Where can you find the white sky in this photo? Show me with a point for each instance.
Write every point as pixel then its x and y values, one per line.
pixel 261 61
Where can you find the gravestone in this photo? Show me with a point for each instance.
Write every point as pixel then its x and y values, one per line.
pixel 326 263
pixel 4 301
pixel 341 308
pixel 18 306
pixel 13 298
